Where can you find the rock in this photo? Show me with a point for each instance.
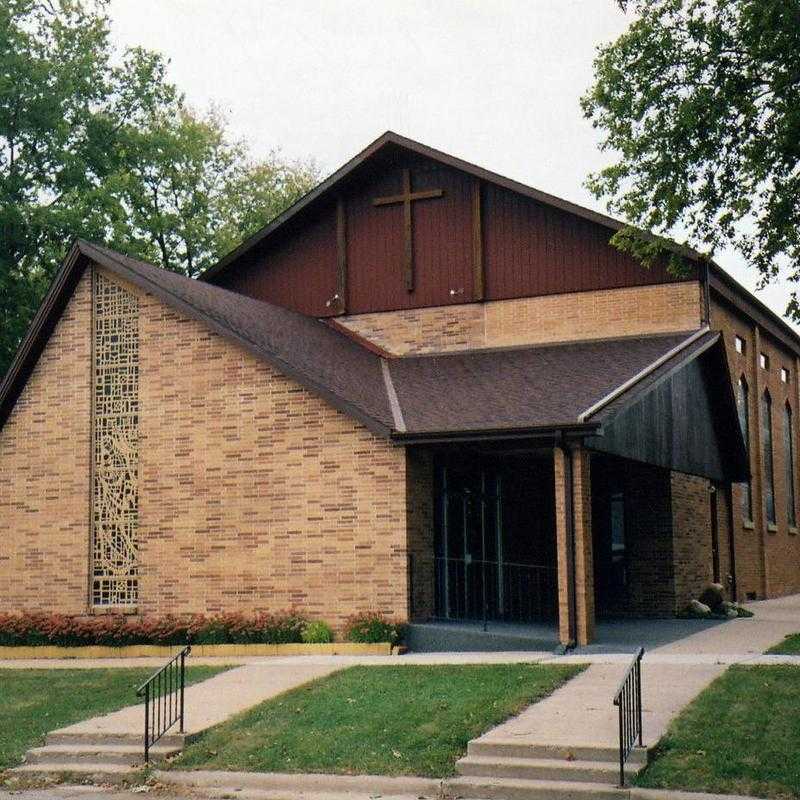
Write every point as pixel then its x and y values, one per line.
pixel 698 609
pixel 713 595
pixel 731 613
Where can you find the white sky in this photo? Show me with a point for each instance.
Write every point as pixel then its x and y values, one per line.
pixel 496 82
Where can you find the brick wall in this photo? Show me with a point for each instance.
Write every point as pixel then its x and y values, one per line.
pixel 419 513
pixel 534 320
pixel 44 474
pixel 650 567
pixel 767 557
pixel 254 493
pixel 691 536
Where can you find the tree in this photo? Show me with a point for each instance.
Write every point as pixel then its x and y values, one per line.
pixel 101 145
pixel 189 194
pixel 700 102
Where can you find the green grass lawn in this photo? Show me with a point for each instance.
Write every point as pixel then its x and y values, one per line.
pixel 36 701
pixel 790 646
pixel 739 736
pixel 384 720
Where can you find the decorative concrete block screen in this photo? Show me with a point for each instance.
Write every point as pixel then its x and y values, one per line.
pixel 115 431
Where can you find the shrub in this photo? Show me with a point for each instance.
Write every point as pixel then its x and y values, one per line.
pixel 116 630
pixel 372 627
pixel 317 633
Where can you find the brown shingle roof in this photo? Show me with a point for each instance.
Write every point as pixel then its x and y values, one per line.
pixel 515 390
pixel 532 387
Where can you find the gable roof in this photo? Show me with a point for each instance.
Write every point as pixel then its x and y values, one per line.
pixel 318 357
pixel 515 392
pixel 721 282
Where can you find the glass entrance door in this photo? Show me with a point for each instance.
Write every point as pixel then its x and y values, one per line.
pixel 494 558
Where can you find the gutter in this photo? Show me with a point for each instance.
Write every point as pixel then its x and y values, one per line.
pixel 550 433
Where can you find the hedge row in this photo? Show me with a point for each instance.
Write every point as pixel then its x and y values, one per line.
pixel 114 630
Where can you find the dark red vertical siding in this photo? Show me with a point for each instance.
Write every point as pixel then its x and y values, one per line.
pixel 532 249
pixel 298 271
pixel 529 248
pixel 441 237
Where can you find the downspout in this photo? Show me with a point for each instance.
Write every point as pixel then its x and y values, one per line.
pixel 731 542
pixel 707 295
pixel 569 515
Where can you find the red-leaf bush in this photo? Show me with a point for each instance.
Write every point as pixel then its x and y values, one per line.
pixel 117 630
pixel 372 627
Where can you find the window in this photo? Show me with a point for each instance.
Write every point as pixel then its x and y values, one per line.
pixel 784 375
pixel 766 439
pixel 764 361
pixel 742 403
pixel 618 561
pixel 739 344
pixel 788 464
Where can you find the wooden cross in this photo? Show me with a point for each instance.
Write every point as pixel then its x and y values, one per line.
pixel 406 198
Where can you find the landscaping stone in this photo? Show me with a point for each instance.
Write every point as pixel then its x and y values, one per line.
pixel 713 595
pixel 698 609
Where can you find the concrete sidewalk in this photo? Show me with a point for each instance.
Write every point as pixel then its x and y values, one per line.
pixel 581 715
pixel 214 700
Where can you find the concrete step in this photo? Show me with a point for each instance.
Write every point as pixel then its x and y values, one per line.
pixel 124 754
pixel 501 748
pixel 473 788
pixel 543 769
pixel 97 773
pixel 437 637
pixel 137 739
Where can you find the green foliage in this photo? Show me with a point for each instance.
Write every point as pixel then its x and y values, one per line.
pixel 738 737
pixel 375 720
pixel 790 646
pixel 700 102
pixel 371 628
pixel 36 701
pixel 100 145
pixel 317 632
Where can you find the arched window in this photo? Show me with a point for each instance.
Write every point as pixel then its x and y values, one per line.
pixel 788 464
pixel 743 405
pixel 766 442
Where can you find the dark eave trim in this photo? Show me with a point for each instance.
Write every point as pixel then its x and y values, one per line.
pixel 572 429
pixel 282 366
pixel 39 331
pixel 60 293
pixel 744 301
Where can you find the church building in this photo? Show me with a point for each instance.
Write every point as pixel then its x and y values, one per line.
pixel 424 390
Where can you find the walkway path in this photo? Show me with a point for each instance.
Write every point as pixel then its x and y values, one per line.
pixel 213 700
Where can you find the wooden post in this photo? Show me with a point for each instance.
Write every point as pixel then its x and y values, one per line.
pixel 576 614
pixel 341 256
pixel 477 242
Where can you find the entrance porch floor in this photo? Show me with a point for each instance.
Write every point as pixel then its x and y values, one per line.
pixel 689 638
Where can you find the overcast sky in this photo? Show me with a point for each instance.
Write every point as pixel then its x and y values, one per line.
pixel 496 82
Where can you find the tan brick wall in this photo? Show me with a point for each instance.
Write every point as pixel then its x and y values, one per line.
pixel 420 515
pixel 534 320
pixel 254 493
pixel 767 561
pixel 691 536
pixel 44 474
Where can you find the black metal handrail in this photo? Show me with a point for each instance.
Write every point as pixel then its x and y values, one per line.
pixel 628 700
pixel 163 699
pixel 476 589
